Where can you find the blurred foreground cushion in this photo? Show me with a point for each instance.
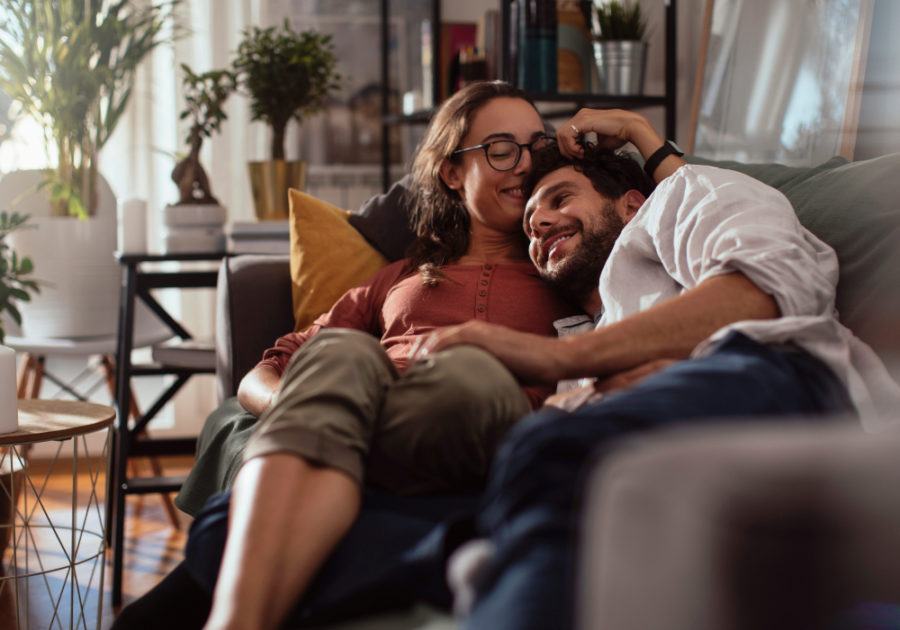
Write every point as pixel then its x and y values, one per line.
pixel 328 257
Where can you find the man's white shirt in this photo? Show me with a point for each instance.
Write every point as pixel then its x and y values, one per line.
pixel 703 222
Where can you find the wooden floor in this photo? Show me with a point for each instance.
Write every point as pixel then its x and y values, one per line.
pixel 153 548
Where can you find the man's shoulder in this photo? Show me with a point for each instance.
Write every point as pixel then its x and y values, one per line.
pixel 692 182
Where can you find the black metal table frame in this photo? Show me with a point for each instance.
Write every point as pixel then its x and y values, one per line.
pixel 137 283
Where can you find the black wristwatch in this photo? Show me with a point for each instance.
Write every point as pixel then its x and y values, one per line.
pixel 667 149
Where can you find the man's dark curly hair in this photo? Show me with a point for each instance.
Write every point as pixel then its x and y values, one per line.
pixel 612 173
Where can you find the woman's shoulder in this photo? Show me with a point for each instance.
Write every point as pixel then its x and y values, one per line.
pixel 392 273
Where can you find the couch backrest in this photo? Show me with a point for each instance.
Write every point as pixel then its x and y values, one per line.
pixel 855 208
pixel 255 307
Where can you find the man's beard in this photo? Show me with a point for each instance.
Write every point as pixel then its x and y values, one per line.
pixel 578 276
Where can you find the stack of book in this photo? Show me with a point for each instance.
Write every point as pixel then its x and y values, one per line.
pixel 264 237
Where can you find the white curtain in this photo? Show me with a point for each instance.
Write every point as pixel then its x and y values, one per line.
pixel 139 158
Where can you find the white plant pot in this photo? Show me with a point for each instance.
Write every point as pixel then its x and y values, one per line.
pixel 73 260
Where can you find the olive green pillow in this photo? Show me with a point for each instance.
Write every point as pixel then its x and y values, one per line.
pixel 855 208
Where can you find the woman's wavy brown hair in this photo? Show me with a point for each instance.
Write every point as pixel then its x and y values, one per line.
pixel 438 213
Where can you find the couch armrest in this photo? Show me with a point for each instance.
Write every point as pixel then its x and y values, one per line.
pixel 254 307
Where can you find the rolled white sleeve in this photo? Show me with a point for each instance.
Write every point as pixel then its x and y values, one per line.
pixel 710 222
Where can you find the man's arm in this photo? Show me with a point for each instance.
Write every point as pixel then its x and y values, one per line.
pixel 667 331
pixel 614 129
pixel 258 388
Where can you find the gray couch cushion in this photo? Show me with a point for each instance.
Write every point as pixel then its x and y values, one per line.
pixel 254 309
pixel 855 208
pixel 385 221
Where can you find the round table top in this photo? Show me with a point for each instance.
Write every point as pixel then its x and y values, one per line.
pixel 42 420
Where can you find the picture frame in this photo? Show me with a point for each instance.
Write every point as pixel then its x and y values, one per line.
pixel 780 80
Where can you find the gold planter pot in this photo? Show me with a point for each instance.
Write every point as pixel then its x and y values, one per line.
pixel 270 182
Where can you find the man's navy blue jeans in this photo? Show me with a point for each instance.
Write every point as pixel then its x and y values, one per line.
pixel 531 507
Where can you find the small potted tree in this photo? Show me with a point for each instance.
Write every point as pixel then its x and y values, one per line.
pixel 619 47
pixel 287 75
pixel 195 222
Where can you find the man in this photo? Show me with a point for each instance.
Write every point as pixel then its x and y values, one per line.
pixel 710 301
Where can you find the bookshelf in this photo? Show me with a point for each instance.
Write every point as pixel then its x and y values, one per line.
pixel 577 101
pixel 389 118
pixel 600 101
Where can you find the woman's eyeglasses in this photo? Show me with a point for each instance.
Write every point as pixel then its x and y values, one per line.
pixel 503 155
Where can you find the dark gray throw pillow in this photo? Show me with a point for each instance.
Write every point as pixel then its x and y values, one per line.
pixel 855 208
pixel 384 221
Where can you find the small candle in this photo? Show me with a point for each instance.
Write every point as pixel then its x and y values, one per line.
pixel 9 402
pixel 132 226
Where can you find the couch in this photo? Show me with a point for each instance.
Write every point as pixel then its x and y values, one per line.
pixel 854 207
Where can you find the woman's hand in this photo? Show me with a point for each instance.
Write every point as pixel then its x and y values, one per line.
pixel 614 128
pixel 533 359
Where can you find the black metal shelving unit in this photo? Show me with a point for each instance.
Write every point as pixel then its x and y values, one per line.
pixel 128 443
pixel 578 101
pixel 388 119
pixel 601 101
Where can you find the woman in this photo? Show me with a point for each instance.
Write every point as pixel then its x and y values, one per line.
pixel 341 403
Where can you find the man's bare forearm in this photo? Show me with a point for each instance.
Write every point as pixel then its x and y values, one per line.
pixel 669 331
pixel 258 388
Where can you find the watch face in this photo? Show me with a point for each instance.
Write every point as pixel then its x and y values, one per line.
pixel 676 147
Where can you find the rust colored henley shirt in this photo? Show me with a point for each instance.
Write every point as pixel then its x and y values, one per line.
pixel 394 306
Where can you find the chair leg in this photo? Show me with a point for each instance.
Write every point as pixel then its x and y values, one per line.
pixel 155 466
pixel 38 378
pixel 25 372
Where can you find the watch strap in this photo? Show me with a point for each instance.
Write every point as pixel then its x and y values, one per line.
pixel 667 149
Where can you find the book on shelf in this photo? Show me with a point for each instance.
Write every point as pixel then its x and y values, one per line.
pixel 186 353
pixel 575 53
pixel 537 45
pixel 428 54
pixel 489 40
pixel 455 37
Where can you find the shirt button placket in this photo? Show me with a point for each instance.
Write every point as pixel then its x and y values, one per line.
pixel 481 298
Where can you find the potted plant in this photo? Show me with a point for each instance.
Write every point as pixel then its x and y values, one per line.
pixel 14 283
pixel 70 64
pixel 619 47
pixel 195 222
pixel 287 75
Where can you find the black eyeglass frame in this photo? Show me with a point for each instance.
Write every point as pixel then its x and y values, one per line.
pixel 519 146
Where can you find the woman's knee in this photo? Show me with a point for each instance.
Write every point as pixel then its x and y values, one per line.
pixel 341 349
pixel 472 374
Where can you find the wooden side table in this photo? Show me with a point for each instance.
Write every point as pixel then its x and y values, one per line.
pixel 55 554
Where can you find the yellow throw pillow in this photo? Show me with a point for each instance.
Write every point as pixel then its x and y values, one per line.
pixel 328 257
